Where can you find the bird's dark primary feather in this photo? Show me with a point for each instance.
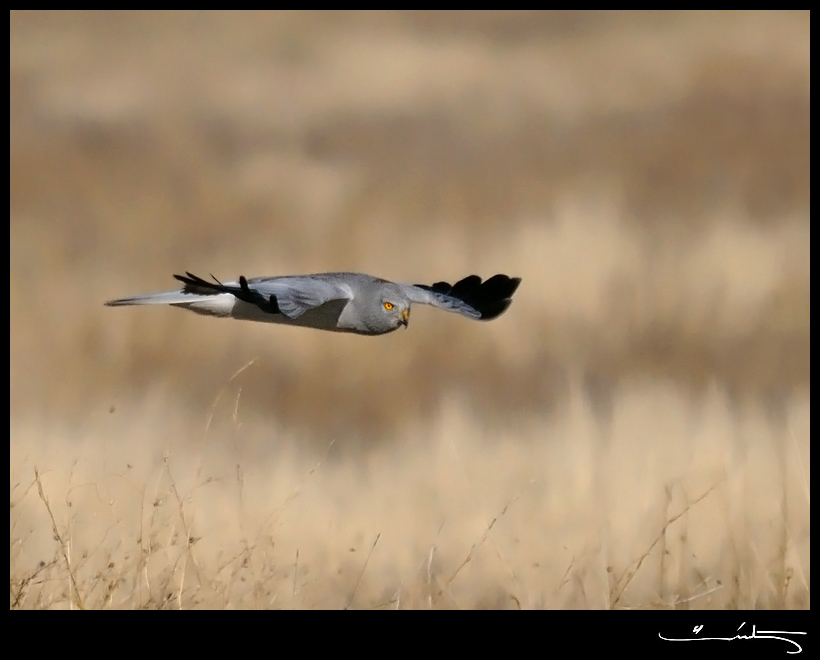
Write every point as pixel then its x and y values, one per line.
pixel 194 284
pixel 490 298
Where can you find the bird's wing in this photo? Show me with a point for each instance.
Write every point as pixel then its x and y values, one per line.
pixel 290 295
pixel 470 296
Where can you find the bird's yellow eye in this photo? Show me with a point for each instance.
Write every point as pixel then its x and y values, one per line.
pixel 388 305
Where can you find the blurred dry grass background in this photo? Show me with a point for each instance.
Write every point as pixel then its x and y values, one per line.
pixel 646 174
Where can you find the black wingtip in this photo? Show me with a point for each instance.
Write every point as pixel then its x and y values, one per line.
pixel 493 310
pixel 493 297
pixel 490 299
pixel 194 284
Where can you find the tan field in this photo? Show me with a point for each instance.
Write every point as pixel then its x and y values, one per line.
pixel 632 433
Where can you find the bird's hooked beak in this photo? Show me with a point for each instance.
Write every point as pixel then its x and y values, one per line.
pixel 405 317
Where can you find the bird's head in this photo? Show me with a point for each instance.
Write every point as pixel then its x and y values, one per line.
pixel 396 309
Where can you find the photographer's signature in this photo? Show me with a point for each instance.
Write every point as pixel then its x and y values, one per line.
pixel 782 635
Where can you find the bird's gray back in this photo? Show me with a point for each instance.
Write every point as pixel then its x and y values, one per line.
pixel 331 279
pixel 315 295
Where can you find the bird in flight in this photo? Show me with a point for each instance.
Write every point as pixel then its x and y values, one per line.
pixel 339 302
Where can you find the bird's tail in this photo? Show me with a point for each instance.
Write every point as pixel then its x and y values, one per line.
pixel 164 298
pixel 210 304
